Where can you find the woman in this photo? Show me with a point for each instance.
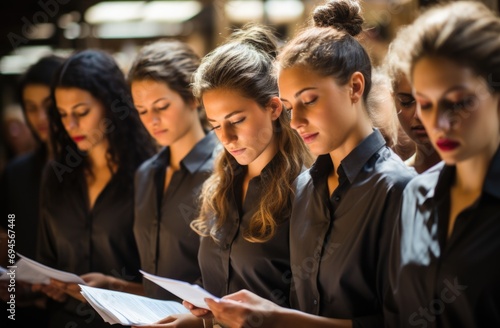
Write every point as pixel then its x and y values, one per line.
pixel 168 184
pixel 346 204
pixel 245 210
pixel 21 182
pixel 87 207
pixel 445 270
pixel 425 156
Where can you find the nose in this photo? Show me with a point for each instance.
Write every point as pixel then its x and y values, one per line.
pixel 297 119
pixel 227 135
pixel 445 120
pixel 152 118
pixel 70 122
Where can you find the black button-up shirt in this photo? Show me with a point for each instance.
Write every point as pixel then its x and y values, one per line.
pixel 168 247
pixel 80 240
pixel 339 242
pixel 447 282
pixel 20 186
pixel 234 263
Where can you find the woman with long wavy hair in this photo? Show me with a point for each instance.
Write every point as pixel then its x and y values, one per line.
pixel 246 203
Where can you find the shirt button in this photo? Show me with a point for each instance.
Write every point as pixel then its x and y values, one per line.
pixel 337 198
pixel 315 302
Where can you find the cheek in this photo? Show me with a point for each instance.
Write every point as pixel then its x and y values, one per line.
pixel 259 133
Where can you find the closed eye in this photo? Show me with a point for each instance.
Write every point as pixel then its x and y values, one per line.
pixel 164 107
pixel 239 121
pixel 311 101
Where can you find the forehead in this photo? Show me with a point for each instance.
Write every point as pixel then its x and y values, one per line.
pixel 293 79
pixel 436 75
pixel 220 102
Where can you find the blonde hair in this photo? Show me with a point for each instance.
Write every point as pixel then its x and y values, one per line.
pixel 245 64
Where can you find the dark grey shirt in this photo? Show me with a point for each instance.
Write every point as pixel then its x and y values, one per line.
pixel 168 247
pixel 440 281
pixel 80 240
pixel 339 242
pixel 234 263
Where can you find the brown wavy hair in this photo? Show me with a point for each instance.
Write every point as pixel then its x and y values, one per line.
pixel 245 64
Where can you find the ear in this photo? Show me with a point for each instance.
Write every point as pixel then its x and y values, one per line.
pixel 276 107
pixel 357 86
pixel 194 104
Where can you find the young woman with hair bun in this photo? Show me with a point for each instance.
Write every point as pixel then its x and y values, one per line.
pixel 346 204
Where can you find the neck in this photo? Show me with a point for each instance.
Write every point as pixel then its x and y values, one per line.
pixel 425 157
pixel 180 148
pixel 98 157
pixel 256 167
pixel 471 173
pixel 362 130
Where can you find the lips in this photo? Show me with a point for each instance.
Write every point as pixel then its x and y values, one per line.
pixel 78 138
pixel 159 132
pixel 308 137
pixel 237 152
pixel 447 144
pixel 419 130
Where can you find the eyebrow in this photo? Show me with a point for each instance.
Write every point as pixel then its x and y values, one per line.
pixel 454 88
pixel 75 106
pixel 154 102
pixel 298 93
pixel 227 116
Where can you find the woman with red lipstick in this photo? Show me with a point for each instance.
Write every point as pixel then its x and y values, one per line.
pixel 87 203
pixel 445 260
pixel 21 182
pixel 246 202
pixel 345 205
pixel 425 155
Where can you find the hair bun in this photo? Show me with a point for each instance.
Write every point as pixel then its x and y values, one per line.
pixel 260 37
pixel 343 15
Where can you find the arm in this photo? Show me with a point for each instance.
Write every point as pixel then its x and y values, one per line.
pixel 245 309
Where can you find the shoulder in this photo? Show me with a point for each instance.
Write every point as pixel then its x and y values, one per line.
pixel 423 185
pixel 391 170
pixel 148 165
pixel 303 180
pixel 20 163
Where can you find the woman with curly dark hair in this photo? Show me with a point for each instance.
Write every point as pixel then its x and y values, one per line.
pixel 87 201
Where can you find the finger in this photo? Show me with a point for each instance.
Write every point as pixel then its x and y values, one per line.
pixel 199 312
pixel 188 305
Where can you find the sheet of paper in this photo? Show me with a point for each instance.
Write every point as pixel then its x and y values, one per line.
pixel 129 309
pixel 33 272
pixel 194 294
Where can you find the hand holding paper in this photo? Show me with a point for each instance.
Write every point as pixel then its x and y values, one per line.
pixel 193 294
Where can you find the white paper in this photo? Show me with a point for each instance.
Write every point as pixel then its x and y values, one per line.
pixel 129 309
pixel 33 272
pixel 193 294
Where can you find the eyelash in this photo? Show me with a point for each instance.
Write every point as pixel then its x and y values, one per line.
pixel 159 108
pixel 307 103
pixel 453 106
pixel 82 114
pixel 232 123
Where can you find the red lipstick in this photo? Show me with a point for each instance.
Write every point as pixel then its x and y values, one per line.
pixel 447 144
pixel 78 138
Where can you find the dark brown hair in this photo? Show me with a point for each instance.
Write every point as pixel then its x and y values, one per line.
pixel 329 46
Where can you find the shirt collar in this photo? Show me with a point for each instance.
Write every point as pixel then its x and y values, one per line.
pixel 491 183
pixel 195 158
pixel 357 158
pixel 353 163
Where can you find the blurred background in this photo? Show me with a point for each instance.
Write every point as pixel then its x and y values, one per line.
pixel 30 29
